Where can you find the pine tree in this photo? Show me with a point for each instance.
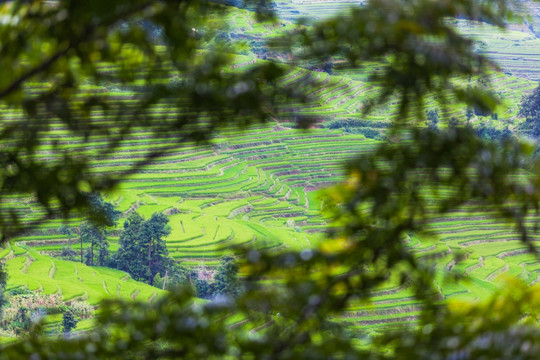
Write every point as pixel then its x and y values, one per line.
pixel 130 255
pixel 93 230
pixel 94 235
pixel 143 251
pixel 156 229
pixel 69 321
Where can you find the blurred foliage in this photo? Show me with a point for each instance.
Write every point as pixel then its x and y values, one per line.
pixel 74 49
pixel 291 301
pixel 403 185
pixel 422 51
pixel 503 327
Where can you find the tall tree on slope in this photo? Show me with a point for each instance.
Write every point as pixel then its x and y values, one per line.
pixel 93 230
pixel 155 229
pixel 143 251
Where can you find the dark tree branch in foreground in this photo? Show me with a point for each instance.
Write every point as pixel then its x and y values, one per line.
pixel 293 301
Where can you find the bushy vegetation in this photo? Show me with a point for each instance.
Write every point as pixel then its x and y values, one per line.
pixel 223 282
pixel 143 252
pixel 370 129
pixel 24 310
pixel 69 321
pixel 530 110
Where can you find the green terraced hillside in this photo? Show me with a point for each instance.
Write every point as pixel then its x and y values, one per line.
pixel 71 280
pixel 259 187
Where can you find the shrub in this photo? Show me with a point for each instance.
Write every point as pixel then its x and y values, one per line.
pixel 32 305
pixel 69 321
pixel 68 253
pixel 20 291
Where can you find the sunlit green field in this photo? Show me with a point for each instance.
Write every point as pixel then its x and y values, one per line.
pixel 72 280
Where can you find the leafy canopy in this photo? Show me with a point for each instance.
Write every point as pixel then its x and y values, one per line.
pixel 388 193
pixel 143 252
pixel 74 49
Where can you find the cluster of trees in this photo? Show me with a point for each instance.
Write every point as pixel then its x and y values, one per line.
pixel 489 133
pixel 370 129
pixel 93 231
pixel 24 321
pixel 143 252
pixel 530 110
pixel 326 65
pixel 225 281
pixel 221 282
pixel 493 134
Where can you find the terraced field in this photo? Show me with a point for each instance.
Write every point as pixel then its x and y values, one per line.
pixel 249 187
pixel 71 280
pixel 314 9
pixel 517 51
pixel 259 187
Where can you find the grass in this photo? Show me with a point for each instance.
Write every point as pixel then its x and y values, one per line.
pixel 73 280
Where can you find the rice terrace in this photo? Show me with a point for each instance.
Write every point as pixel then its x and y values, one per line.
pixel 264 187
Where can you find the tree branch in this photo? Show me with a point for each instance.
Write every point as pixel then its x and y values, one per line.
pixel 87 35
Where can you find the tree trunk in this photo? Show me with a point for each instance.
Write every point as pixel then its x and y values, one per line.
pixel 100 260
pixel 165 279
pixel 91 253
pixel 150 280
